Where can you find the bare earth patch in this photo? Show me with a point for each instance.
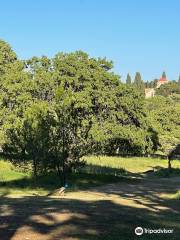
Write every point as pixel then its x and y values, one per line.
pixel 108 212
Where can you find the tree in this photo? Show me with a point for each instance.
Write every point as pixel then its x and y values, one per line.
pixel 163 75
pixel 33 137
pixel 54 111
pixel 76 89
pixel 164 115
pixel 179 80
pixel 138 83
pixel 7 57
pixel 130 132
pixel 128 79
pixel 168 89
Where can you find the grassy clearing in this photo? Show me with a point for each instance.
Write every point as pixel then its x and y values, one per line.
pixel 8 172
pixel 15 182
pixel 98 171
pixel 175 196
pixel 131 164
pixel 106 212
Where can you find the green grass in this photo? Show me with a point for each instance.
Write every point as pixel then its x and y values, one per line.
pixel 131 164
pixel 98 171
pixel 8 172
pixel 176 196
pixel 15 182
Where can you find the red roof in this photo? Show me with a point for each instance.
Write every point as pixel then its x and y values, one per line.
pixel 163 80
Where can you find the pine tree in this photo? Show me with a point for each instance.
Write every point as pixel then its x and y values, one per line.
pixel 138 83
pixel 137 79
pixel 128 79
pixel 179 79
pixel 164 75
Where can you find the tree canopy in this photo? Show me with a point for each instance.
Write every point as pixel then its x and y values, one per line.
pixel 138 83
pixel 55 110
pixel 164 115
pixel 128 79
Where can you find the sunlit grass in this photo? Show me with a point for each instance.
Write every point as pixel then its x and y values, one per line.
pixel 176 195
pixel 172 196
pixel 130 164
pixel 8 171
pixel 98 171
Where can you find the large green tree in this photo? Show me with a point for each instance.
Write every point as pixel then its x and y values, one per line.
pixel 54 111
pixel 164 115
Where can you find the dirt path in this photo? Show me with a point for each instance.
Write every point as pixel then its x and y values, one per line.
pixel 108 212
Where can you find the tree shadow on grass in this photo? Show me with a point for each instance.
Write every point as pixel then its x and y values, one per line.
pixel 88 177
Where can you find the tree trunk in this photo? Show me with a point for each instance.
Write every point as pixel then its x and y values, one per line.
pixel 63 156
pixel 35 168
pixel 59 173
pixel 64 172
pixel 169 163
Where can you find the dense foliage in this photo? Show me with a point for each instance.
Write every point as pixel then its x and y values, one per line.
pixel 55 110
pixel 169 89
pixel 164 115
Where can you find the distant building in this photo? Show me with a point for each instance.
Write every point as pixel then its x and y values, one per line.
pixel 162 81
pixel 149 92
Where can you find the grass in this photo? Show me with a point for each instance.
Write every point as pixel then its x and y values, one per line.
pixel 175 196
pixel 98 171
pixel 15 182
pixel 131 164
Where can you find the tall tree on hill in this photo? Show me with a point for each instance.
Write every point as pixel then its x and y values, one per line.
pixel 128 79
pixel 138 83
pixel 179 79
pixel 164 75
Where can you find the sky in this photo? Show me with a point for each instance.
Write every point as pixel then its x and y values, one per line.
pixel 137 35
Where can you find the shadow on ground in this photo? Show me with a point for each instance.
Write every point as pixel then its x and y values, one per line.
pixel 114 215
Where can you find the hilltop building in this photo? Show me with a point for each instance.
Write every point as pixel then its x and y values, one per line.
pixel 150 92
pixel 162 80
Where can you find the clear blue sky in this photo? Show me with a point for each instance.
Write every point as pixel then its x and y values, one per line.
pixel 138 35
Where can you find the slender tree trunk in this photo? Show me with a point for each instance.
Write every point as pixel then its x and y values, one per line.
pixel 59 173
pixel 34 167
pixel 64 173
pixel 63 157
pixel 169 163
